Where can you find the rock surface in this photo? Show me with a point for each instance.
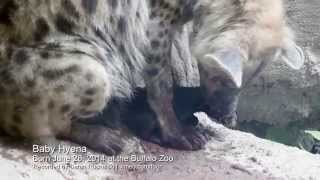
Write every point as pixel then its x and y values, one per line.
pixel 229 155
pixel 281 95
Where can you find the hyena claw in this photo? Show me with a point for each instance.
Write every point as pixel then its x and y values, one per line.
pixel 98 138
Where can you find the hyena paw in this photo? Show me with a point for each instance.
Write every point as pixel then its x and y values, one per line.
pixel 98 138
pixel 45 140
pixel 188 138
pixel 106 142
pixel 176 141
pixel 196 136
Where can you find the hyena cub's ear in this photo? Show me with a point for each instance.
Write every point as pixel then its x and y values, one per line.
pixel 293 55
pixel 228 61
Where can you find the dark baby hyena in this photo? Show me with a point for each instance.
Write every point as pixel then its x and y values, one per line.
pixel 64 60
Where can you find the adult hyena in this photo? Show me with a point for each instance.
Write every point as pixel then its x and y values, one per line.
pixel 232 40
pixel 63 60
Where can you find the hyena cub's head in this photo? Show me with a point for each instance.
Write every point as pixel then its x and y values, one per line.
pixel 233 44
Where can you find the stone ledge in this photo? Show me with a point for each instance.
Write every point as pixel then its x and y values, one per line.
pixel 229 155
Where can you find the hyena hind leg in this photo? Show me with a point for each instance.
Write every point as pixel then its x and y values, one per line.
pixel 50 90
pixel 26 118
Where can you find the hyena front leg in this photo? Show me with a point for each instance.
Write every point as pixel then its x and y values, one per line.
pixel 160 96
pixel 158 79
pixel 167 17
pixel 46 88
pixel 159 85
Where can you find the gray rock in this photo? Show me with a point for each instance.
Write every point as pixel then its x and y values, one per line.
pixel 281 95
pixel 229 155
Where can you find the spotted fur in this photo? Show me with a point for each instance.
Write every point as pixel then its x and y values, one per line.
pixel 246 35
pixel 65 59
